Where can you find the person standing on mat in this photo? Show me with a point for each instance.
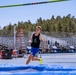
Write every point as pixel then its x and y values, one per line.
pixel 35 39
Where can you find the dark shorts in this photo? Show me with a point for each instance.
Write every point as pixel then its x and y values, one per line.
pixel 34 51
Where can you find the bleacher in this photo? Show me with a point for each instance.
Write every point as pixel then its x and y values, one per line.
pixel 70 47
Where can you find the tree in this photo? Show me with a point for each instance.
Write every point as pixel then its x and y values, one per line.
pixel 39 21
pixel 65 24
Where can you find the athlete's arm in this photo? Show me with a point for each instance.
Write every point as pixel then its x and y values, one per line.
pixel 30 40
pixel 44 41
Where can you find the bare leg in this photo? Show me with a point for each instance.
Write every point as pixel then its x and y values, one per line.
pixel 35 59
pixel 29 59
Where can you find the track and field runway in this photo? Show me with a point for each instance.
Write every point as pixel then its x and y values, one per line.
pixel 53 58
pixel 54 64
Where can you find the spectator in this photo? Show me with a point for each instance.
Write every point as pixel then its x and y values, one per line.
pixel 48 46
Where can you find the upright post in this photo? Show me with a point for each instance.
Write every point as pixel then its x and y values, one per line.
pixel 14 37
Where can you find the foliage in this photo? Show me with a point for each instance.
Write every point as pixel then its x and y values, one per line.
pixel 58 24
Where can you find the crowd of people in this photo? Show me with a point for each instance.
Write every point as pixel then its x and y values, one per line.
pixel 57 48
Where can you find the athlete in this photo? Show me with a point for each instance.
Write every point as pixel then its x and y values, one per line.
pixel 35 39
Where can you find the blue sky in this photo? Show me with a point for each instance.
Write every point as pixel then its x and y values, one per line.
pixel 32 13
